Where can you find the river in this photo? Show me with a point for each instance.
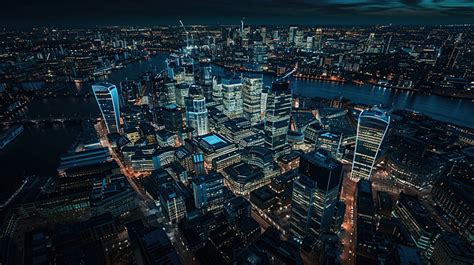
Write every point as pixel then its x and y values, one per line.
pixel 38 149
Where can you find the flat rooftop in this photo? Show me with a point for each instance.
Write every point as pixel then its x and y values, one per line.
pixel 213 139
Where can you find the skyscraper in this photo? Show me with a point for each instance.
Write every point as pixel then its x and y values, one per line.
pixel 107 98
pixel 232 97
pixel 318 39
pixel 172 117
pixel 169 95
pixel 277 117
pixel 292 34
pixel 315 194
pixel 372 127
pixel 369 42
pixel 205 72
pixel 299 39
pixel 252 90
pixel 196 114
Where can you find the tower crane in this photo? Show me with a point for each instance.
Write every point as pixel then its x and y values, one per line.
pixel 288 74
pixel 187 35
pixel 188 48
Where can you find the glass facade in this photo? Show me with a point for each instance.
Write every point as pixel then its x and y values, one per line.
pixel 106 95
pixel 197 115
pixel 277 117
pixel 371 130
pixel 252 90
pixel 315 194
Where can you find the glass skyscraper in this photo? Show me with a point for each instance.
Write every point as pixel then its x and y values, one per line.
pixel 372 127
pixel 277 117
pixel 315 193
pixel 232 97
pixel 196 114
pixel 107 98
pixel 251 92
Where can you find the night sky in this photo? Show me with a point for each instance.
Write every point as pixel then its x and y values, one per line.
pixel 18 13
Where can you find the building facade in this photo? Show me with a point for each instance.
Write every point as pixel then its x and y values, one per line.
pixel 106 95
pixel 196 114
pixel 208 192
pixel 252 90
pixel 372 127
pixel 277 118
pixel 315 193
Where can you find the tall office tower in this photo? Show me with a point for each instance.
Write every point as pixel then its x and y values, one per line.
pixel 168 93
pixel 172 117
pixel 251 91
pixel 318 39
pixel 309 43
pixel 299 39
pixel 292 34
pixel 370 42
pixel 263 33
pixel 208 192
pixel 315 193
pixel 205 72
pixel 107 98
pixel 277 118
pixel 232 97
pixel 372 127
pixel 196 114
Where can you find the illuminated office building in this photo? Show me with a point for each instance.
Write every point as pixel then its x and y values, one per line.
pixel 208 190
pixel 106 95
pixel 169 96
pixel 252 90
pixel 196 114
pixel 318 39
pixel 292 34
pixel 277 118
pixel 372 127
pixel 315 193
pixel 232 97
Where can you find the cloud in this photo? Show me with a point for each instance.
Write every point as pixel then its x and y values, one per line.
pixel 216 11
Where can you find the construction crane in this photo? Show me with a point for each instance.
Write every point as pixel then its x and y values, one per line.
pixel 187 35
pixel 188 48
pixel 288 74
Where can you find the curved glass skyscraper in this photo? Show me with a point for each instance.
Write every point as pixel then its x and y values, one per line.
pixel 372 127
pixel 196 114
pixel 106 95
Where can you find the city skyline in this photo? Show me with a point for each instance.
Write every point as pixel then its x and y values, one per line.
pixel 238 144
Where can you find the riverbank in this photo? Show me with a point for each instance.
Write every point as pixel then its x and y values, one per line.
pixel 456 96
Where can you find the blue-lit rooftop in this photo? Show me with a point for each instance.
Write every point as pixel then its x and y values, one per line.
pixel 213 139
